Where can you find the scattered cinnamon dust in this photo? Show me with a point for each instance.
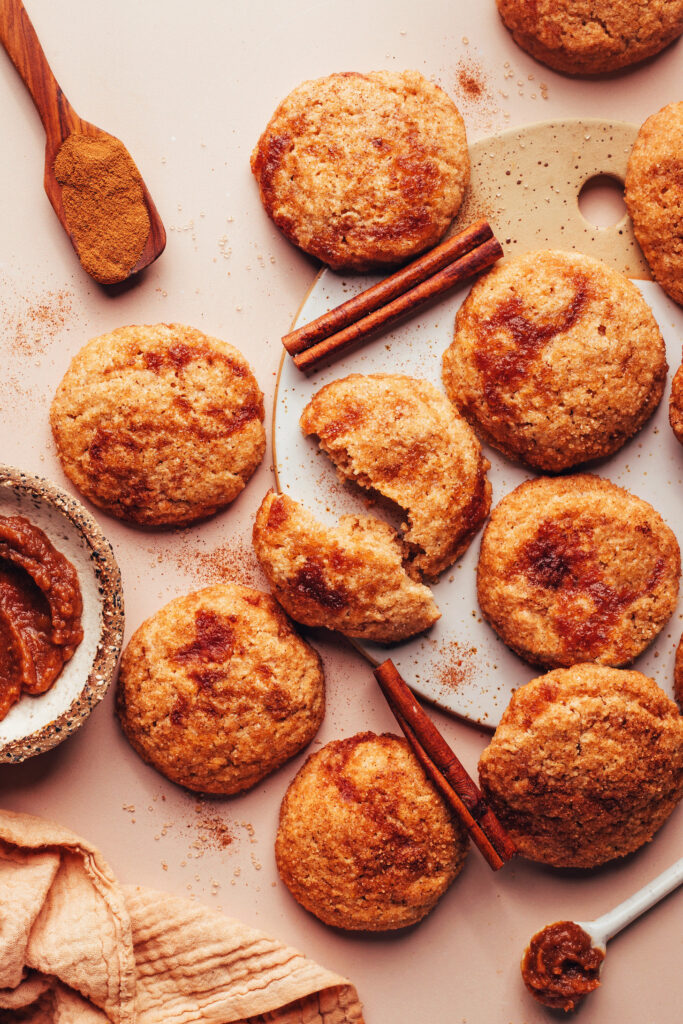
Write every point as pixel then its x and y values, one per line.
pixel 213 833
pixel 457 665
pixel 474 95
pixel 232 561
pixel 207 831
pixel 32 322
pixel 469 80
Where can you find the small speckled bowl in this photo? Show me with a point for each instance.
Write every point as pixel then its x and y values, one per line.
pixel 36 724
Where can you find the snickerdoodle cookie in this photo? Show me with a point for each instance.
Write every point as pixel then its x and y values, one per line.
pixel 216 690
pixel 363 170
pixel 364 841
pixel 161 425
pixel 676 404
pixel 585 766
pixel 587 37
pixel 577 569
pixel 654 195
pixel 400 437
pixel 349 578
pixel 678 675
pixel 556 359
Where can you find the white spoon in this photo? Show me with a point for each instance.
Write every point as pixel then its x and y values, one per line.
pixel 608 925
pixel 563 961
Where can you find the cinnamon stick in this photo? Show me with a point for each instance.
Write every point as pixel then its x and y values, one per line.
pixel 390 288
pixel 471 263
pixel 444 768
pixel 475 830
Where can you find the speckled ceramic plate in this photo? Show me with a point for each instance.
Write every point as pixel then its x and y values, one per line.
pixel 460 663
pixel 36 724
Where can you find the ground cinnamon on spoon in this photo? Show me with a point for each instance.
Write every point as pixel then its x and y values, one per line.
pixel 104 204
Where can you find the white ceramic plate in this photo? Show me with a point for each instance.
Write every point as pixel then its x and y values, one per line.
pixel 460 663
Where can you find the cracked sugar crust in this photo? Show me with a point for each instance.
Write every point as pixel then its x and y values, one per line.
pixel 654 196
pixel 587 37
pixel 364 841
pixel 216 690
pixel 676 404
pixel 349 578
pixel 161 425
pixel 556 359
pixel 363 170
pixel 400 437
pixel 585 766
pixel 577 569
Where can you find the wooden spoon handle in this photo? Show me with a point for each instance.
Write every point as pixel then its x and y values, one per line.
pixel 19 38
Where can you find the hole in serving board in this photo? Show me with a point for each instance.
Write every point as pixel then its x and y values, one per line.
pixel 601 200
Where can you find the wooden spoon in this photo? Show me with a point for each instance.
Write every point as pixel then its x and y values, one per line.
pixel 60 121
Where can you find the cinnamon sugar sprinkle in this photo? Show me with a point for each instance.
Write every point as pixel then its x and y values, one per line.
pixel 469 80
pixel 29 325
pixel 232 561
pixel 457 665
pixel 213 833
pixel 33 322
pixel 474 95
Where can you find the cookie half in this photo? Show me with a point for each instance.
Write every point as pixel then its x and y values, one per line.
pixel 585 766
pixel 364 841
pixel 363 170
pixel 216 690
pixel 350 578
pixel 161 425
pixel 400 437
pixel 556 359
pixel 676 404
pixel 577 569
pixel 654 195
pixel 678 675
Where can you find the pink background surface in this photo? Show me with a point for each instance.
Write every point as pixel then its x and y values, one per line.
pixel 189 88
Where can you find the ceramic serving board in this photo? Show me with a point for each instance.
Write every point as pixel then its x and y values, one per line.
pixel 460 664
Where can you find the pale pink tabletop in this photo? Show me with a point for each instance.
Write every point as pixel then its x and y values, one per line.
pixel 189 87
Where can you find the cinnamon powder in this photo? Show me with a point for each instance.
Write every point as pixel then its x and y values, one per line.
pixel 232 561
pixel 457 665
pixel 104 204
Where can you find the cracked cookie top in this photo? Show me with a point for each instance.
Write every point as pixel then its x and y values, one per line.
pixel 585 766
pixel 161 425
pixel 556 359
pixel 363 170
pixel 577 569
pixel 587 37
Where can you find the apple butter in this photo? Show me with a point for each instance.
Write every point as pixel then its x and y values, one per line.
pixel 40 611
pixel 561 964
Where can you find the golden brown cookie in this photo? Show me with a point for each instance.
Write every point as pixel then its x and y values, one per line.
pixel 678 675
pixel 585 766
pixel 587 37
pixel 556 359
pixel 577 569
pixel 161 425
pixel 216 690
pixel 363 170
pixel 400 437
pixel 654 195
pixel 364 841
pixel 676 404
pixel 349 578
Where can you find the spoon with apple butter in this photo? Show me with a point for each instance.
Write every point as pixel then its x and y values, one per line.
pixel 562 962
